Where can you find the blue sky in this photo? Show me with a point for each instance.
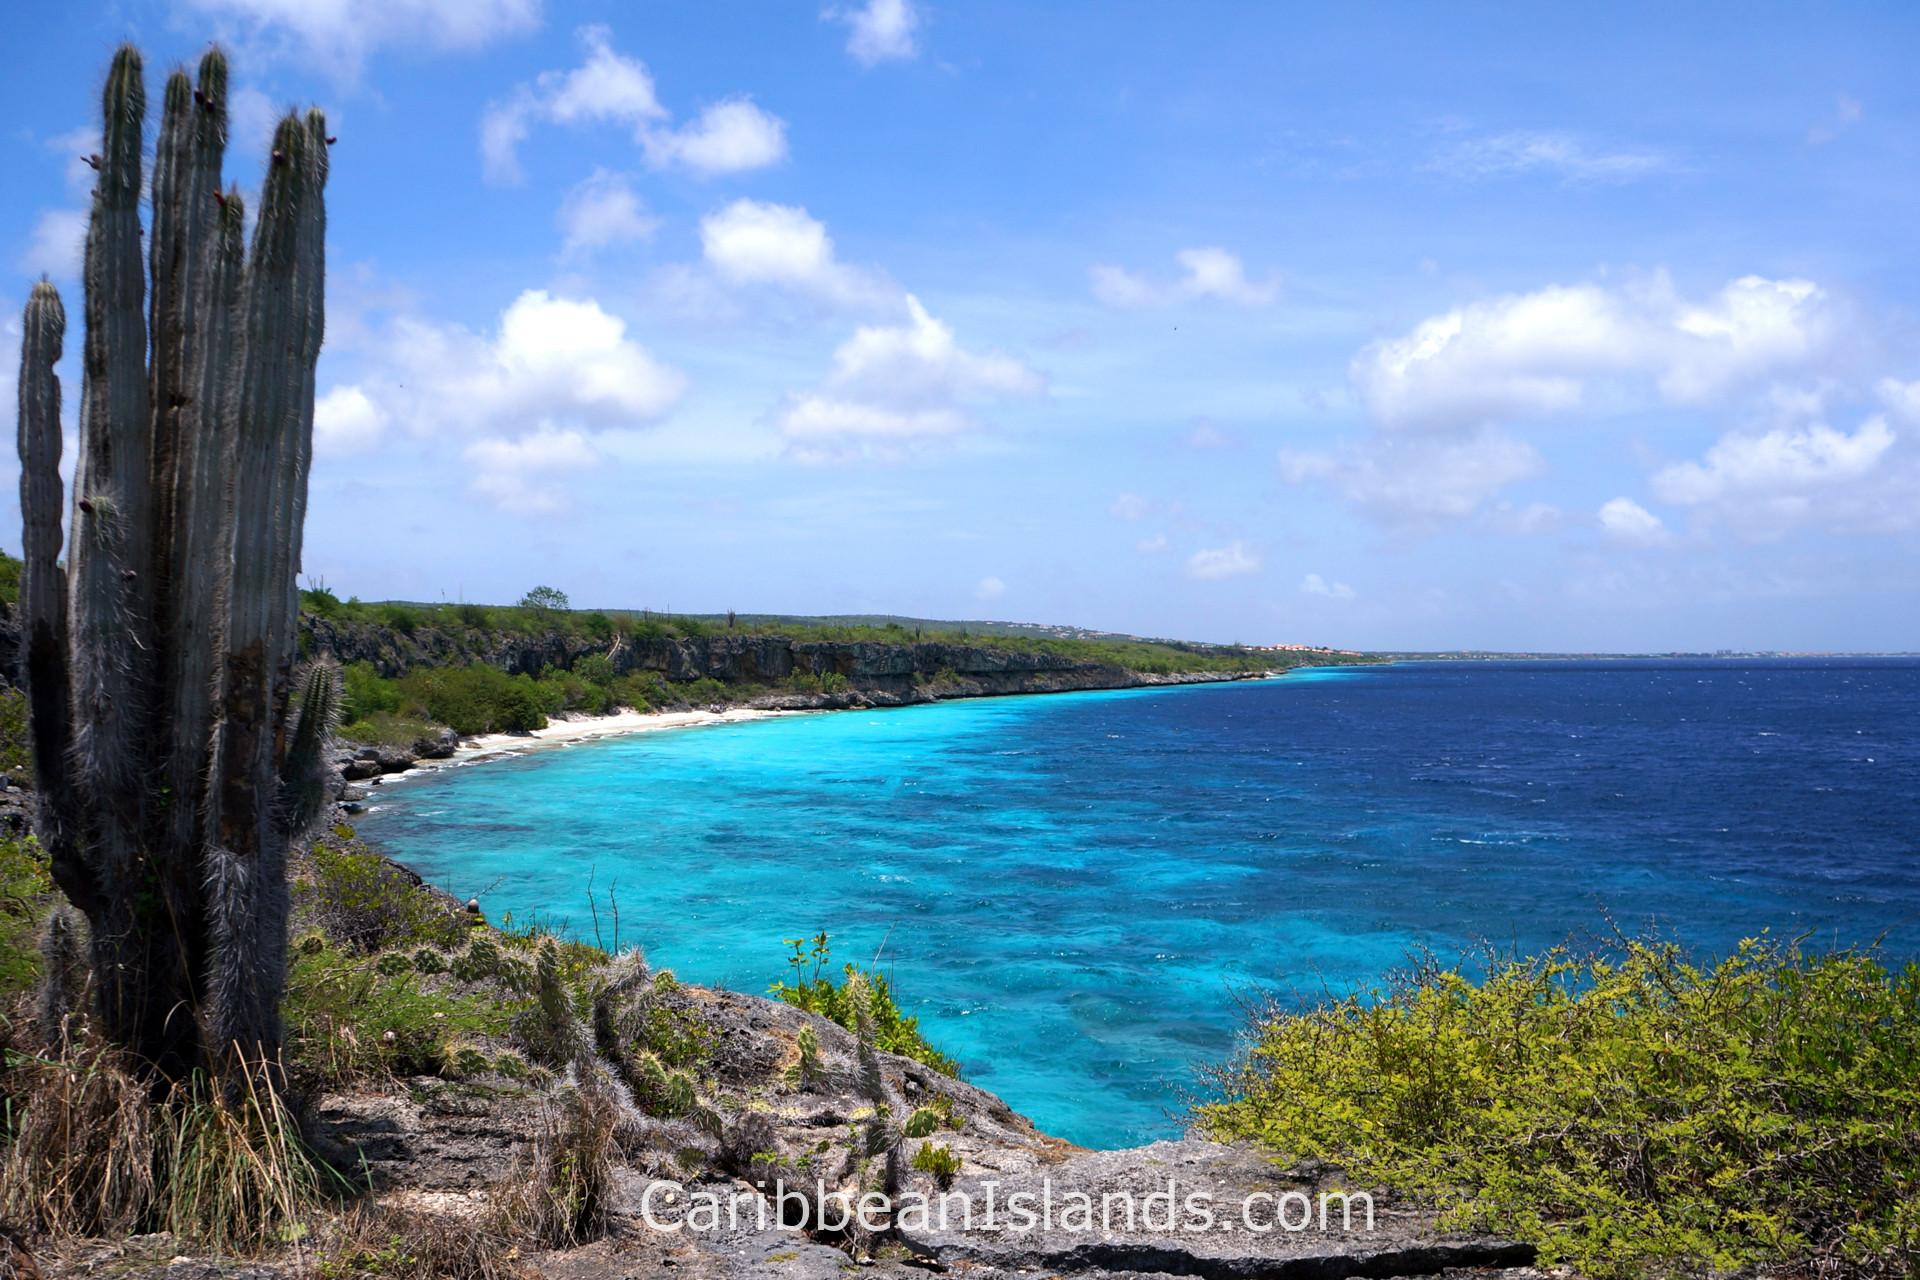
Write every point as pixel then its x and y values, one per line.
pixel 1410 326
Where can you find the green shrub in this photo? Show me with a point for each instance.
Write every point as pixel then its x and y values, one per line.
pixel 321 602
pixel 1630 1114
pixel 16 745
pixel 813 991
pixel 25 893
pixel 938 1161
pixel 385 729
pixel 476 698
pixel 367 904
pixel 352 1017
pixel 403 618
pixel 595 668
pixel 642 690
pixel 9 579
pixel 367 692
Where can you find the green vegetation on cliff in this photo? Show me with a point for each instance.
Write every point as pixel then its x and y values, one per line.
pixel 411 668
pixel 1633 1114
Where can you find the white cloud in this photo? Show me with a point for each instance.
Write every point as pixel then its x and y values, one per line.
pixel 345 422
pixel 879 30
pixel 1625 520
pixel 1151 546
pixel 989 589
pixel 1565 156
pixel 1777 461
pixel 518 475
pixel 251 119
pixel 1419 480
pixel 1131 506
pixel 1118 287
pixel 891 384
pixel 341 33
pixel 751 242
pixel 1901 398
pixel 611 87
pixel 601 211
pixel 1315 585
pixel 1207 272
pixel 1547 352
pixel 563 367
pixel 58 243
pixel 1234 560
pixel 729 137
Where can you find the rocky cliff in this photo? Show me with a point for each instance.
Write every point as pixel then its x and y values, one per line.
pixel 876 673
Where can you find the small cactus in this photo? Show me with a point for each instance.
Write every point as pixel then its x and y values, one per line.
pixel 63 973
pixel 551 1031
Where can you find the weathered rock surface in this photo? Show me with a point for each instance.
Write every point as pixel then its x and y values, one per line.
pixel 434 1146
pixel 434 1139
pixel 877 673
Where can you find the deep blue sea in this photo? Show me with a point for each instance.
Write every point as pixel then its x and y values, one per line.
pixel 1070 890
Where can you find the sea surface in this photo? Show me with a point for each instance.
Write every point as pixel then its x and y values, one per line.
pixel 1075 892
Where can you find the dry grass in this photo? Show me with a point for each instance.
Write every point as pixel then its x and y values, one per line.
pixel 81 1162
pixel 560 1198
pixel 93 1155
pixel 379 1242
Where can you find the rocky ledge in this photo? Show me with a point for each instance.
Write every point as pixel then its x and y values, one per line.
pixel 442 1149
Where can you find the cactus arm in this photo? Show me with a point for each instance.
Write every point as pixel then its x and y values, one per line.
pixel 196 544
pixel 171 251
pixel 296 448
pixel 107 578
pixel 43 591
pixel 273 413
pixel 303 774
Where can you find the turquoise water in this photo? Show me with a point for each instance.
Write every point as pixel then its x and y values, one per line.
pixel 1072 890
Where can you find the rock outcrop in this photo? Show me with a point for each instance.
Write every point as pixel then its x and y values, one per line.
pixel 875 672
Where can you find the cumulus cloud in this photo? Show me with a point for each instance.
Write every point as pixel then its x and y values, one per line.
pixel 564 366
pixel 1901 398
pixel 1207 273
pixel 1234 560
pixel 600 212
pixel 1419 480
pixel 1151 546
pixel 1444 396
pixel 1625 520
pixel 728 137
pixel 1131 506
pixel 1762 484
pixel 1315 585
pixel 1545 353
pixel 346 421
pixel 610 87
pixel 879 30
pixel 57 244
pixel 1573 160
pixel 890 385
pixel 520 475
pixel 751 242
pixel 989 589
pixel 340 34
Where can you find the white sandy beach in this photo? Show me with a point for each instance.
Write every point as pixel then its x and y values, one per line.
pixel 569 730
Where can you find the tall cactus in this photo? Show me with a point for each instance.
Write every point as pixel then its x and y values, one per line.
pixel 160 658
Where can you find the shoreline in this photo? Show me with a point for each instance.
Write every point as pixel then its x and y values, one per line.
pixel 575 729
pixel 572 730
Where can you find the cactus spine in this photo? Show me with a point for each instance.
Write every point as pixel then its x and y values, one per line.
pixel 160 661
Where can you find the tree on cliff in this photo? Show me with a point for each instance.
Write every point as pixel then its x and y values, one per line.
pixel 176 758
pixel 545 600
